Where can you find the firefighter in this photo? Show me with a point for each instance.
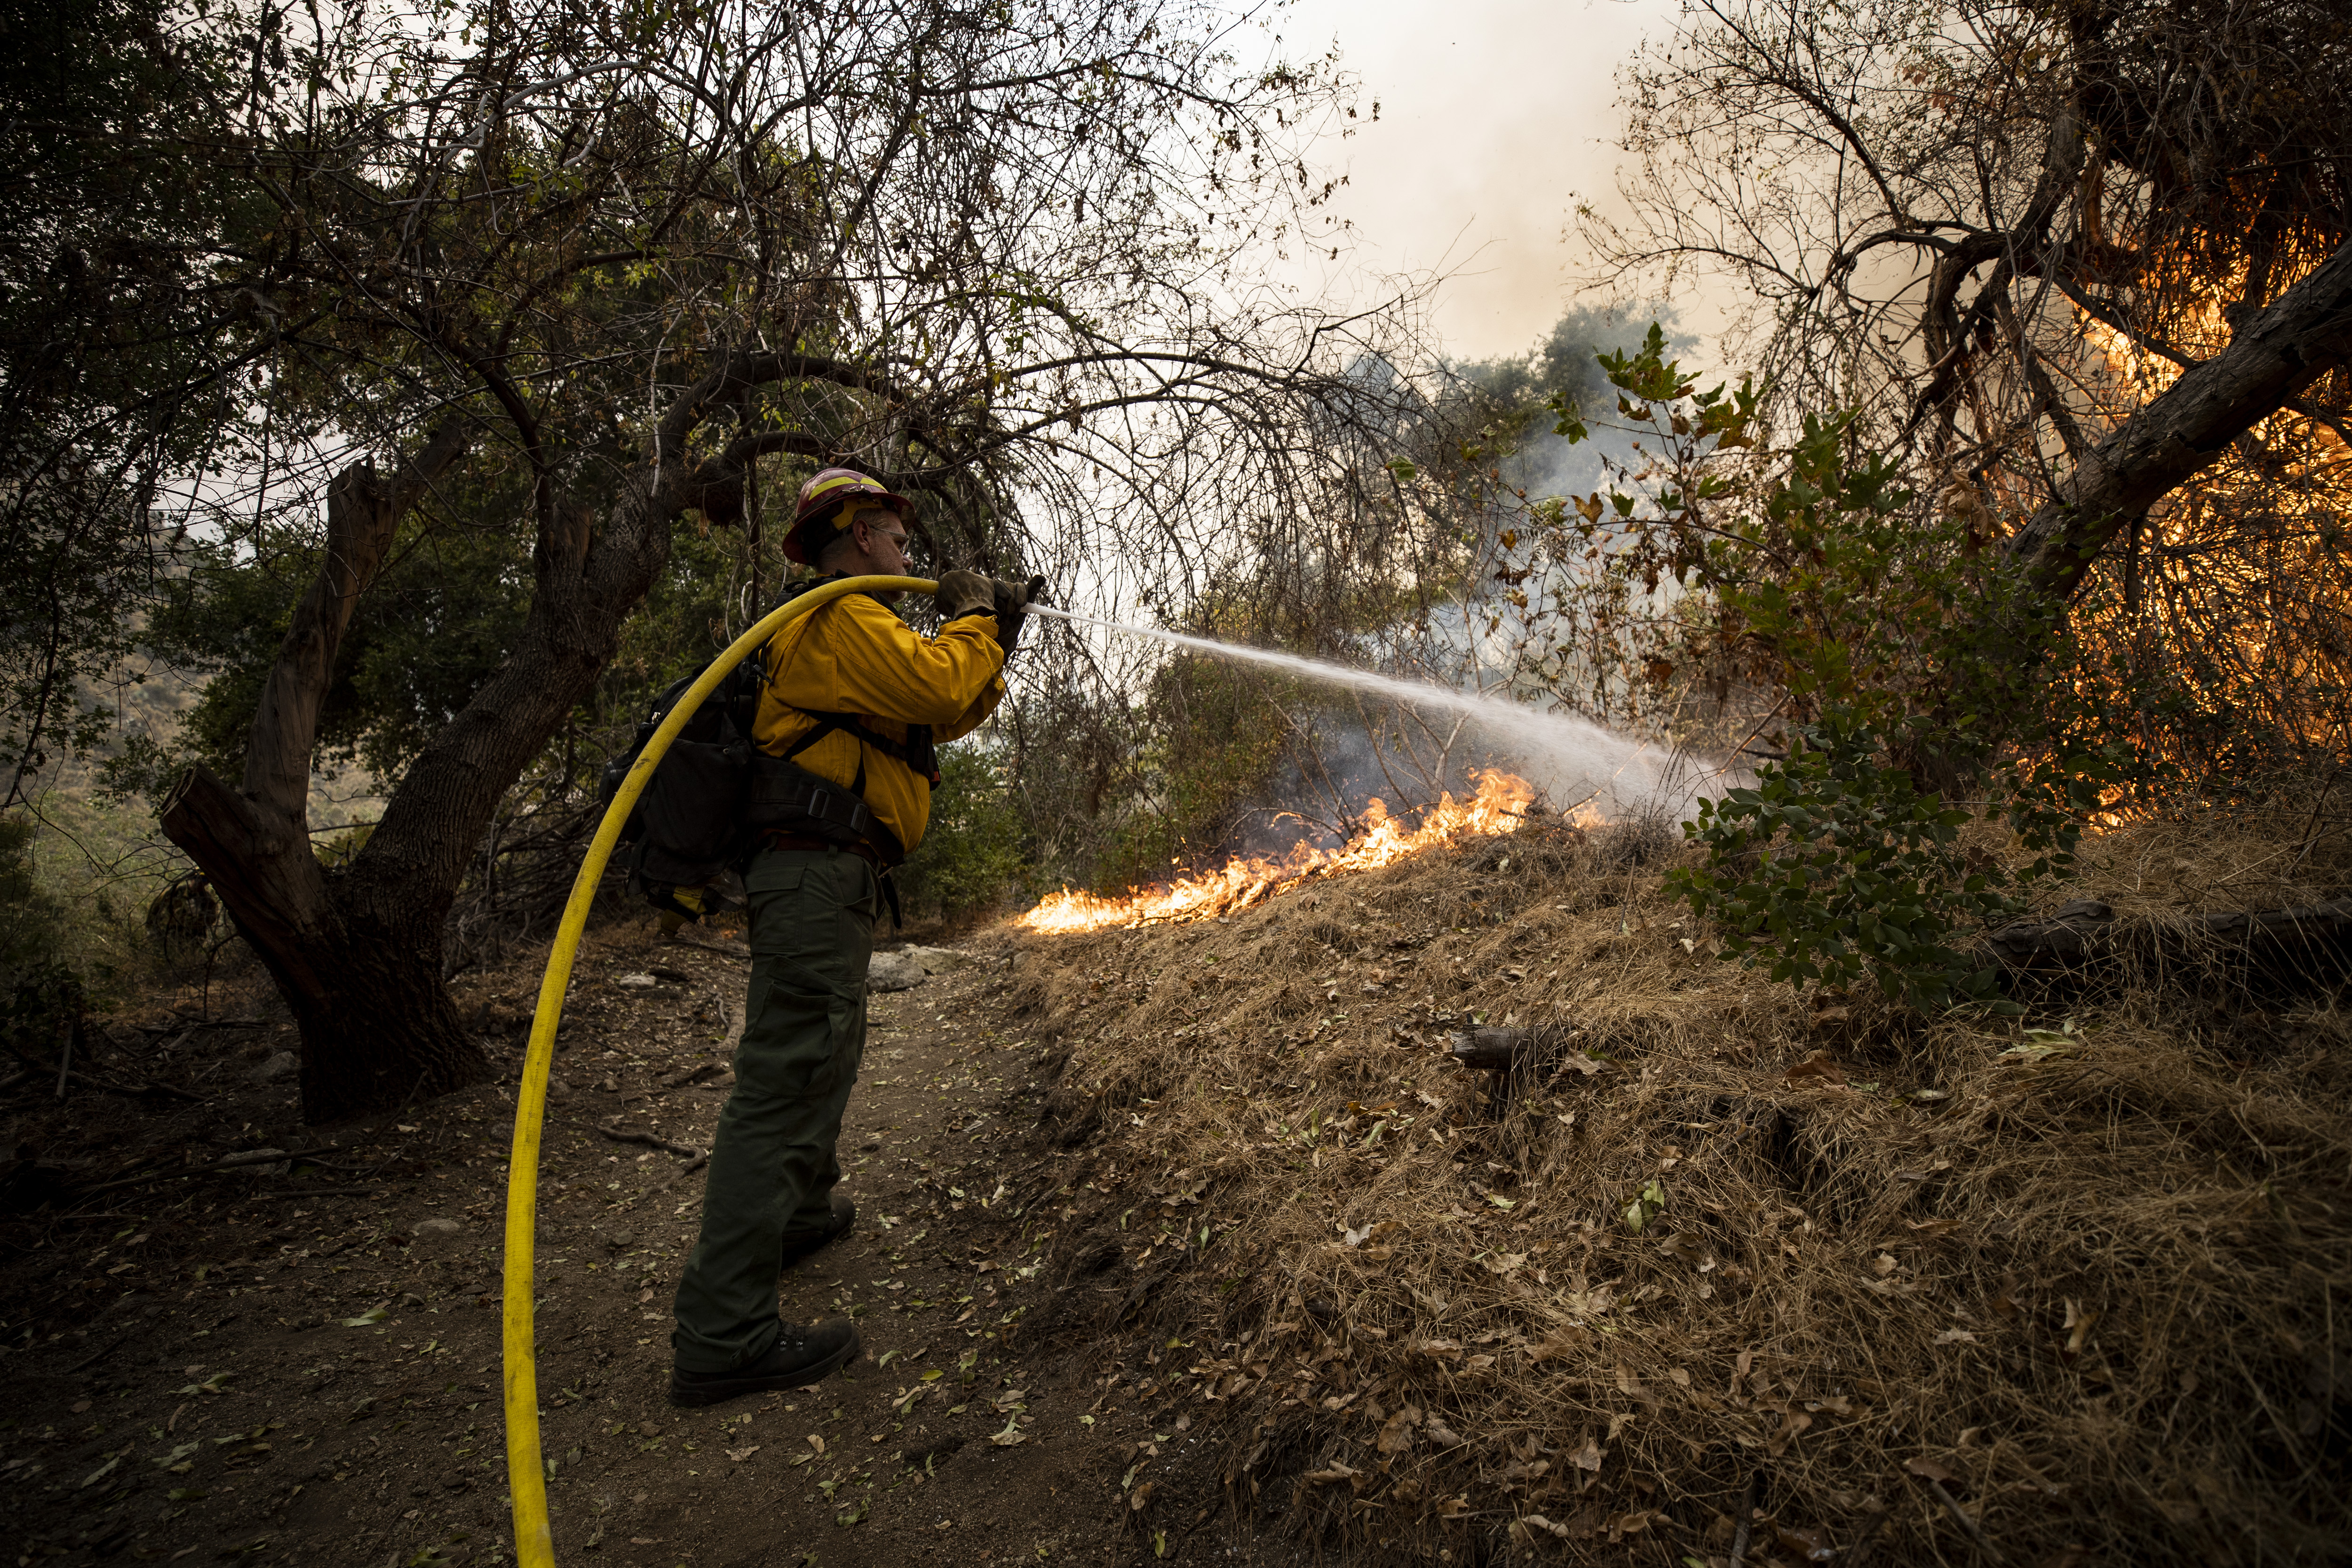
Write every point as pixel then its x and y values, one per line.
pixel 856 697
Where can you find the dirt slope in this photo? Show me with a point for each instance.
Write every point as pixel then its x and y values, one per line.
pixel 189 1381
pixel 1194 1245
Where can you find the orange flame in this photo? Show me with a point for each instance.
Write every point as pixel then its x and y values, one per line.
pixel 1500 804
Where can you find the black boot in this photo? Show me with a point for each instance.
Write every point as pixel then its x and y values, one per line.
pixel 804 1353
pixel 800 1244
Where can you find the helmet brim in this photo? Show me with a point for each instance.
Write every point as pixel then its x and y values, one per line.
pixel 818 524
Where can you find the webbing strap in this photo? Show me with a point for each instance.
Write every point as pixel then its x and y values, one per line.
pixel 915 750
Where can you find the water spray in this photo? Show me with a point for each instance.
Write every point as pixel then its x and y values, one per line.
pixel 1586 758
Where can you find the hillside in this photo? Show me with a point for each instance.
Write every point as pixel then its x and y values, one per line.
pixel 1195 1243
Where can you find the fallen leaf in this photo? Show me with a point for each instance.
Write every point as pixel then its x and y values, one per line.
pixel 368 1318
pixel 1646 1207
pixel 1586 1064
pixel 1012 1434
pixel 1817 1071
pixel 1630 1523
pixel 739 1454
pixel 1928 1469
pixel 1932 1227
pixel 1396 1432
pixel 1806 1545
pixel 1140 1496
pixel 1338 1472
pixel 816 1442
pixel 1503 1263
pixel 1956 1337
pixel 2081 1320
pixel 1791 1427
pixel 1587 1458
pixel 1454 1507
pixel 1684 1247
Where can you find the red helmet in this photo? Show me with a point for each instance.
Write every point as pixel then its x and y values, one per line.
pixel 821 498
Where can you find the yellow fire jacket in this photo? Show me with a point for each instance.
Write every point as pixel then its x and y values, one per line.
pixel 855 657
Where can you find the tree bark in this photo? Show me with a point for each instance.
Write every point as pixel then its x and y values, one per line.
pixel 377 1028
pixel 357 954
pixel 2307 331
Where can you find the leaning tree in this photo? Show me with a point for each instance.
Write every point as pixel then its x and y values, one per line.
pixel 607 264
pixel 2081 267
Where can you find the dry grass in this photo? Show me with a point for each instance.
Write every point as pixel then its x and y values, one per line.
pixel 2107 1294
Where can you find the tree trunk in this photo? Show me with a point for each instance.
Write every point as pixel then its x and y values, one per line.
pixel 361 977
pixel 358 953
pixel 2301 335
pixel 377 1026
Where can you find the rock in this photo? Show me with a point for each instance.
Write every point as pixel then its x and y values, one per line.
pixel 936 959
pixel 894 972
pixel 634 982
pixel 284 1065
pixel 437 1235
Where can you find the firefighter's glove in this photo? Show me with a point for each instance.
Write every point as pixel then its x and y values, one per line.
pixel 1013 601
pixel 961 593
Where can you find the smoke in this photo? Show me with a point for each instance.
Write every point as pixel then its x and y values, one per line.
pixel 1573 761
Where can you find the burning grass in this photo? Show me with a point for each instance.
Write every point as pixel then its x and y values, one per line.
pixel 1500 804
pixel 2094 1295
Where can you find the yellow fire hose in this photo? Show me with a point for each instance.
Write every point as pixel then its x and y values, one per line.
pixel 526 1473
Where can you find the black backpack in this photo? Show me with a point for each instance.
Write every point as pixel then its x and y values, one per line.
pixel 715 792
pixel 687 828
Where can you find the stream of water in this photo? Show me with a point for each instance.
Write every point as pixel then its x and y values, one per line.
pixel 1573 759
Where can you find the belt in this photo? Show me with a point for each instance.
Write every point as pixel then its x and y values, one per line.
pixel 778 838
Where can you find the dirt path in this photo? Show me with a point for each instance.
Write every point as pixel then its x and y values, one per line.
pixel 271 1366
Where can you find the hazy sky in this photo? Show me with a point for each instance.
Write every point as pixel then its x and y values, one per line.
pixel 1495 116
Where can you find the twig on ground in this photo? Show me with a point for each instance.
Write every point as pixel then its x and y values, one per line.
pixel 649 1140
pixel 42 1069
pixel 1745 1524
pixel 93 1359
pixel 1858 1553
pixel 233 1163
pixel 693 1075
pixel 65 1060
pixel 1952 1506
pixel 731 949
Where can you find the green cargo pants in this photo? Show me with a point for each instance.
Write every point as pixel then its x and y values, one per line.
pixel 772 1164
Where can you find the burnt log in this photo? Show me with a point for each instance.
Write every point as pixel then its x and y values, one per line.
pixel 1511 1051
pixel 2300 949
